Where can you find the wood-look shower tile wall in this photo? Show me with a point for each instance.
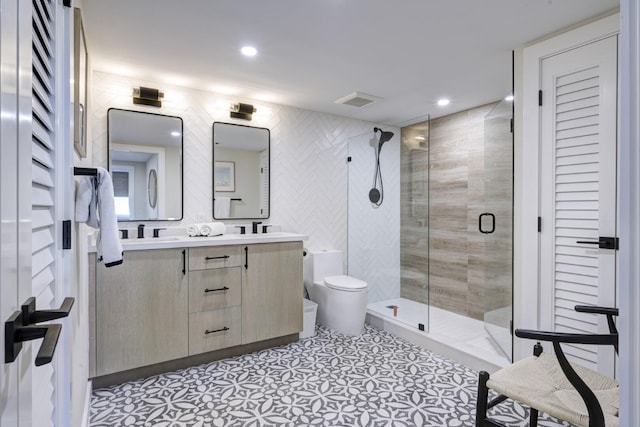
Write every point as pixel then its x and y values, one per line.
pixel 442 252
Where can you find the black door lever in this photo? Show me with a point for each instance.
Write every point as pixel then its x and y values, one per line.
pixel 603 242
pixel 22 326
pixel 31 316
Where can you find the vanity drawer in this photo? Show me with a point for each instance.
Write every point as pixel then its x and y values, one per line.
pixel 214 257
pixel 207 330
pixel 207 289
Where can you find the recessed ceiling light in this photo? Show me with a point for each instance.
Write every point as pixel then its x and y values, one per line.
pixel 249 51
pixel 443 101
pixel 509 98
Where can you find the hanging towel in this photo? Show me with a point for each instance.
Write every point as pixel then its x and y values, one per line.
pixel 95 207
pixel 222 207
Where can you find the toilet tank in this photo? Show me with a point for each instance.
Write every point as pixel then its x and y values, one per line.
pixel 320 264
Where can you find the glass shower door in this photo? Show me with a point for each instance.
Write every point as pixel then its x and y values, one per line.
pixel 374 228
pixel 496 224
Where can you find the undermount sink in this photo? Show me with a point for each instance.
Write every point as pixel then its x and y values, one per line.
pixel 151 239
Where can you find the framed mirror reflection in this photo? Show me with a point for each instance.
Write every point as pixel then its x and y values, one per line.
pixel 241 171
pixel 145 153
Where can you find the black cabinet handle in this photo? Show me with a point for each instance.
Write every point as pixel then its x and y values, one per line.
pixel 493 223
pixel 224 288
pixel 209 258
pixel 246 257
pixel 213 331
pixel 184 262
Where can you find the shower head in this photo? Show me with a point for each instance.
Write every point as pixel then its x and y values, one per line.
pixel 384 135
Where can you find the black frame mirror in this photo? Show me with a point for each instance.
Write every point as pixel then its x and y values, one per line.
pixel 241 171
pixel 143 147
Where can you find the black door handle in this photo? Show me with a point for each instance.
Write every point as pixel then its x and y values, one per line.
pixel 493 223
pixel 603 242
pixel 246 257
pixel 21 326
pixel 31 316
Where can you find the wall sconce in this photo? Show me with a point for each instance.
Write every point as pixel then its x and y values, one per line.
pixel 147 96
pixel 241 111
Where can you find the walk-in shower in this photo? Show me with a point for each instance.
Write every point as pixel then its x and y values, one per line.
pixel 432 265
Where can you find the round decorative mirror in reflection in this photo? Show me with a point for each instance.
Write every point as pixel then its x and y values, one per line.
pixel 152 188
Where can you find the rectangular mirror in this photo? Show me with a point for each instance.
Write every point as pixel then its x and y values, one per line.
pixel 145 161
pixel 240 171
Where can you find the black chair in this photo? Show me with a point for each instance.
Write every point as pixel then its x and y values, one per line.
pixel 549 383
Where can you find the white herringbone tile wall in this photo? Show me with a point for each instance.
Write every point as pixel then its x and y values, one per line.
pixel 374 240
pixel 308 156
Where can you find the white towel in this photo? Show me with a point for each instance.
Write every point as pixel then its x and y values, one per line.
pixel 222 207
pixel 193 230
pixel 206 229
pixel 96 207
pixel 212 229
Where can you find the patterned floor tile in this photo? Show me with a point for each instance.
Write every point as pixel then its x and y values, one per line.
pixel 375 379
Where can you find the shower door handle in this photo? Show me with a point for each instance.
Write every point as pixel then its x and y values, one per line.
pixel 493 223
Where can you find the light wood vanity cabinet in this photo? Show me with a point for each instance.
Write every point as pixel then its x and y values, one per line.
pixel 271 291
pixel 141 310
pixel 215 319
pixel 167 304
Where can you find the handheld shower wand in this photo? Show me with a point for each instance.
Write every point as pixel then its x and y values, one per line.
pixel 376 194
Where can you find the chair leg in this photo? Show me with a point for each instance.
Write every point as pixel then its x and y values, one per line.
pixel 483 396
pixel 533 418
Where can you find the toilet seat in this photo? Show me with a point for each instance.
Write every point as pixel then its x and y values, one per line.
pixel 345 283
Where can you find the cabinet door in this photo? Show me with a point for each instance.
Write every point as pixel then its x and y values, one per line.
pixel 141 310
pixel 271 291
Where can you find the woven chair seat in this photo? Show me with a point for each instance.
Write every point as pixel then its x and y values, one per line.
pixel 540 383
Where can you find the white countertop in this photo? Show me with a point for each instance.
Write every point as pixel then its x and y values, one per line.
pixel 168 242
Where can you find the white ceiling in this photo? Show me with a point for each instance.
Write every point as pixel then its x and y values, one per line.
pixel 313 52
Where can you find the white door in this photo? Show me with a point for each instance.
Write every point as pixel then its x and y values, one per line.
pixel 15 202
pixel 30 195
pixel 578 193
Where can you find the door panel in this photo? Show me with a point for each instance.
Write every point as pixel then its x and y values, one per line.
pixel 15 210
pixel 498 228
pixel 578 192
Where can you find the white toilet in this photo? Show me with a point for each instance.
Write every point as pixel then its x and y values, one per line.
pixel 342 300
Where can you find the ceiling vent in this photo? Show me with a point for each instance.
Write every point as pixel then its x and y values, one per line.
pixel 357 99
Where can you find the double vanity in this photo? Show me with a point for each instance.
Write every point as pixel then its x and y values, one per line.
pixel 178 301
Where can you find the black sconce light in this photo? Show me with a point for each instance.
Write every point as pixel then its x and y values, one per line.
pixel 242 111
pixel 147 96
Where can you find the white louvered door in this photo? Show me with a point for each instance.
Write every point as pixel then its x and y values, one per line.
pixel 43 192
pixel 46 206
pixel 578 193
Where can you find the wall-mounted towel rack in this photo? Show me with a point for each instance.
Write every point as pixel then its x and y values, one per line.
pixel 85 171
